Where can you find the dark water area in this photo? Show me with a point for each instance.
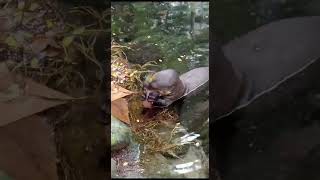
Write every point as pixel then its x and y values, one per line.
pixel 277 136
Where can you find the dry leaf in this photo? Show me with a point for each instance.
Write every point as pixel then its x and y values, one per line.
pixel 33 88
pixel 119 109
pixel 118 92
pixel 11 93
pixel 52 52
pixel 49 52
pixel 35 98
pixel 27 150
pixel 40 43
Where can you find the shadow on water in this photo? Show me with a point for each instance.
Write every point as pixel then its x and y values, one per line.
pixel 278 136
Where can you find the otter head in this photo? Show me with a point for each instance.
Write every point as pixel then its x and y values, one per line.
pixel 163 87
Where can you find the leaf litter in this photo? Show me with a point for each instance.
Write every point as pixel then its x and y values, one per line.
pixel 32 60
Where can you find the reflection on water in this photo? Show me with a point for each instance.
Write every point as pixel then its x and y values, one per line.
pixel 187 167
pixel 188 138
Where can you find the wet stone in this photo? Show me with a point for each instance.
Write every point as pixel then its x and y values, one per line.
pixel 120 134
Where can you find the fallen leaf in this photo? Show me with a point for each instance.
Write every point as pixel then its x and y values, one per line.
pixel 27 150
pixel 67 41
pixel 119 109
pixel 52 52
pixel 34 99
pixel 11 93
pixel 39 44
pixel 118 92
pixel 33 88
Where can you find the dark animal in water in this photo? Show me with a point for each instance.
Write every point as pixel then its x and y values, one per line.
pixel 261 60
pixel 163 88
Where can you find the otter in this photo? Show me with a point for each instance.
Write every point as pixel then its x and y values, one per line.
pixel 260 61
pixel 163 88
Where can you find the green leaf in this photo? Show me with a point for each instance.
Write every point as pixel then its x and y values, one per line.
pixel 34 63
pixel 67 41
pixel 11 41
pixel 79 31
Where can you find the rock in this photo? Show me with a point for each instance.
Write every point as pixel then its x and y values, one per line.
pixel 127 160
pixel 113 168
pixel 194 112
pixel 120 134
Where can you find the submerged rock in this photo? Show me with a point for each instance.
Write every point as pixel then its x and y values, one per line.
pixel 193 165
pixel 120 134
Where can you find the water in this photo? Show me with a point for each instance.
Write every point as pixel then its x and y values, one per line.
pixel 167 27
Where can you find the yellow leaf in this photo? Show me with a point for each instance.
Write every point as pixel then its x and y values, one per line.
pixel 118 92
pixel 119 109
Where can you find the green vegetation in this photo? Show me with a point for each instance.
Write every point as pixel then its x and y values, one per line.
pixel 172 29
